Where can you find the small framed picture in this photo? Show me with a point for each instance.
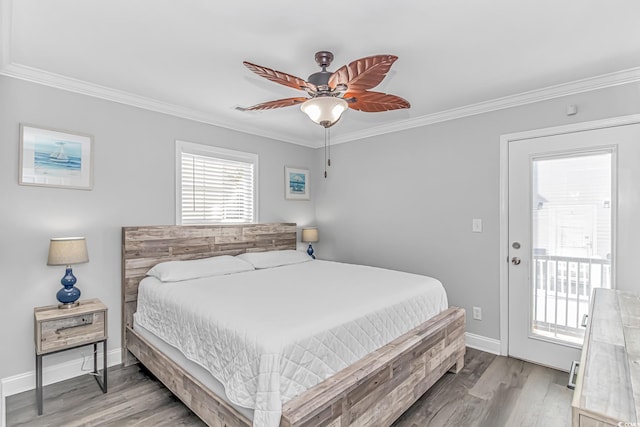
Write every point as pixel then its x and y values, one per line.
pixel 296 183
pixel 55 158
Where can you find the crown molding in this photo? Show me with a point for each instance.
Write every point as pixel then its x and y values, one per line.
pixel 579 86
pixel 97 91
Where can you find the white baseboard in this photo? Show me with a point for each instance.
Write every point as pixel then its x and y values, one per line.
pixel 479 342
pixel 50 374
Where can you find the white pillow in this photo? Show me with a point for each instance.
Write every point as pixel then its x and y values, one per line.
pixel 176 271
pixel 274 258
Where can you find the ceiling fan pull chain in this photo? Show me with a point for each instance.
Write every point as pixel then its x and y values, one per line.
pixel 328 131
pixel 325 152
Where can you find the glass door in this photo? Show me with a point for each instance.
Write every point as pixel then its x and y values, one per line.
pixel 571 240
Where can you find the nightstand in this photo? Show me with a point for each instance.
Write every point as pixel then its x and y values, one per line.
pixel 58 329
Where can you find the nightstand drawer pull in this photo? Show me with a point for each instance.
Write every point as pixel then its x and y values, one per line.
pixel 83 321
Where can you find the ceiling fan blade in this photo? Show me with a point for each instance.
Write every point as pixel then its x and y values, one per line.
pixel 287 102
pixel 363 73
pixel 280 77
pixel 373 102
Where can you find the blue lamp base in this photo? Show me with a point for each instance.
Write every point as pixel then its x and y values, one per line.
pixel 69 294
pixel 310 251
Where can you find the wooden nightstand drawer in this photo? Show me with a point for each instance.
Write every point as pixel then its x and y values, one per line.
pixel 71 331
pixel 59 329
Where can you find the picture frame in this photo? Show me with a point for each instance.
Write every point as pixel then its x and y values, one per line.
pixel 55 158
pixel 296 183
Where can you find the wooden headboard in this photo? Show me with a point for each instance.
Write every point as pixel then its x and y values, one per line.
pixel 144 247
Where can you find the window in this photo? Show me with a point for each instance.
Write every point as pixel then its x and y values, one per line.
pixel 215 185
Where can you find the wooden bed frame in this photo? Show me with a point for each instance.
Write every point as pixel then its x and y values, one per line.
pixel 374 391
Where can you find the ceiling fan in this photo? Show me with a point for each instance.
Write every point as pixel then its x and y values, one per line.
pixel 331 93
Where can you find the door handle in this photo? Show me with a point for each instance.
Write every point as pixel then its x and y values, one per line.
pixel 515 260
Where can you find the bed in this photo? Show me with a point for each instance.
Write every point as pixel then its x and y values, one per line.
pixel 374 389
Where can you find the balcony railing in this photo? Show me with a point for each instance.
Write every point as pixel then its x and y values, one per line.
pixel 562 293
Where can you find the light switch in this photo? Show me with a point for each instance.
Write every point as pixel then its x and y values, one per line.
pixel 476 226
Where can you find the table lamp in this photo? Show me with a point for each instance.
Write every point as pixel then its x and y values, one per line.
pixel 67 251
pixel 310 235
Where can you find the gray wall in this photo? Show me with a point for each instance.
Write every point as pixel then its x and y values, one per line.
pixel 134 185
pixel 403 201
pixel 406 200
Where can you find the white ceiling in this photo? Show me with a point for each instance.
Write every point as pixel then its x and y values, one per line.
pixel 456 57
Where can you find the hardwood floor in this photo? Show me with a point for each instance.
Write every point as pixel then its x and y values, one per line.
pixel 491 391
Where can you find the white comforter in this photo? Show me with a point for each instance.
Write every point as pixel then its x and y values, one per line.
pixel 268 335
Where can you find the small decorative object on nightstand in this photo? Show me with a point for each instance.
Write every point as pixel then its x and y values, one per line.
pixel 59 330
pixel 310 235
pixel 67 251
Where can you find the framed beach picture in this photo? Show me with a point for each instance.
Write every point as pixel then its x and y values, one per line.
pixel 55 158
pixel 296 183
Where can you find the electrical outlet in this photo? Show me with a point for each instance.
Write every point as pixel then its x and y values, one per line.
pixel 477 313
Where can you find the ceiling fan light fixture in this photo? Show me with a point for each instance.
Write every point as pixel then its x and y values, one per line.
pixel 324 110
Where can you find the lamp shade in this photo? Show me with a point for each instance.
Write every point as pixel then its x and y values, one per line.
pixel 324 110
pixel 310 235
pixel 67 251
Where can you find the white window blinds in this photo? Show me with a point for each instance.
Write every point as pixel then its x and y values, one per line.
pixel 215 185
